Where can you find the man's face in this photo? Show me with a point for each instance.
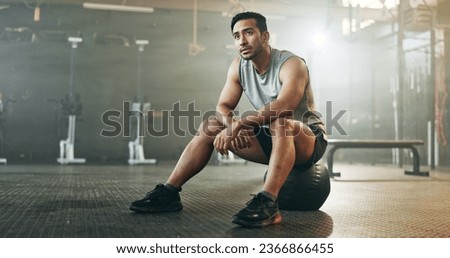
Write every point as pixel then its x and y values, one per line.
pixel 248 39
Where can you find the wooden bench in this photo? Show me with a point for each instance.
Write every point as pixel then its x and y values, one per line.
pixel 335 144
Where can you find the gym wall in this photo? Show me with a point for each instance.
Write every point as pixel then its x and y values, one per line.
pixel 352 74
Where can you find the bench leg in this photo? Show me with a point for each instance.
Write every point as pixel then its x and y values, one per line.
pixel 416 165
pixel 330 162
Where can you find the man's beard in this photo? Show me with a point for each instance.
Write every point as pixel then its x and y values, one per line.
pixel 255 53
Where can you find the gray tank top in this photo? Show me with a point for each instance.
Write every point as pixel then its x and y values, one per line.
pixel 261 89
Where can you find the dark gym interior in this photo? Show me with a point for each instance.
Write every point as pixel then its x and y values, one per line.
pixel 379 70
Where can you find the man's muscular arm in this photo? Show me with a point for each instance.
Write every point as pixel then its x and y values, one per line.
pixel 294 77
pixel 228 100
pixel 230 95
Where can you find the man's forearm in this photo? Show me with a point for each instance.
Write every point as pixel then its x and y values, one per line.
pixel 266 114
pixel 225 115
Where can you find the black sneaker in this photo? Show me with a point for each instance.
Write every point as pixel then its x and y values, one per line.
pixel 261 211
pixel 159 199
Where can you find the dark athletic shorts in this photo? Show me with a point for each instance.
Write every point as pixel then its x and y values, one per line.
pixel 265 140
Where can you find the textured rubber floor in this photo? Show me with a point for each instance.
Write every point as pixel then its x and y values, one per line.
pixel 91 201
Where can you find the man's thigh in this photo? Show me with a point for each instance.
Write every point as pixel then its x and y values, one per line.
pixel 304 139
pixel 255 153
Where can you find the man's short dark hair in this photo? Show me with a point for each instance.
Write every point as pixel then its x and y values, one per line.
pixel 260 20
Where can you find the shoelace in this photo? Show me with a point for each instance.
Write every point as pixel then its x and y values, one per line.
pixel 257 201
pixel 155 192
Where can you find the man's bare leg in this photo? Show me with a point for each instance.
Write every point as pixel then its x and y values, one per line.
pixel 290 145
pixel 193 159
pixel 196 154
pixel 166 198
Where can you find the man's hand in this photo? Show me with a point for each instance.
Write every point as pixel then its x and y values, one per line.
pixel 242 141
pixel 232 137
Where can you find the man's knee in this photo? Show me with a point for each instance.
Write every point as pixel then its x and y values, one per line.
pixel 282 127
pixel 210 127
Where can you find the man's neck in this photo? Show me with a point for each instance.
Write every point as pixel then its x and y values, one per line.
pixel 262 61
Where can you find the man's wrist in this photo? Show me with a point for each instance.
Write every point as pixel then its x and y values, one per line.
pixel 237 124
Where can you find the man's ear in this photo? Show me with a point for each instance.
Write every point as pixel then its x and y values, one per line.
pixel 266 36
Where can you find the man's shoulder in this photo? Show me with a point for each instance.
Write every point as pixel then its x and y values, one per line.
pixel 284 54
pixel 281 56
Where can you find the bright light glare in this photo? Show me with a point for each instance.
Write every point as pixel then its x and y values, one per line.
pixel 320 39
pixel 375 4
